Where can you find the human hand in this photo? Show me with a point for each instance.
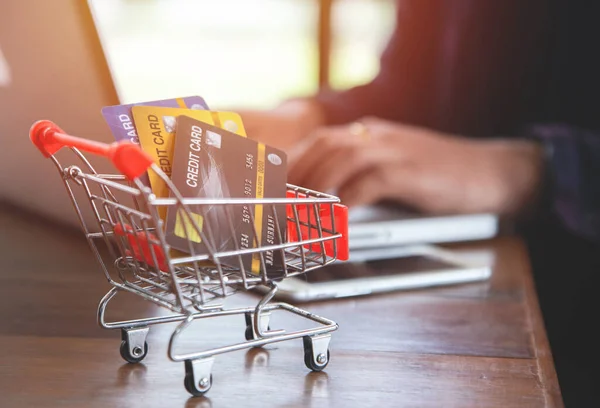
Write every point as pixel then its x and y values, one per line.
pixel 429 171
pixel 285 125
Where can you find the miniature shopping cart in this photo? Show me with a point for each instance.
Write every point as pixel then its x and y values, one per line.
pixel 129 242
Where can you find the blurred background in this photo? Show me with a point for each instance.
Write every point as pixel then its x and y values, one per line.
pixel 261 51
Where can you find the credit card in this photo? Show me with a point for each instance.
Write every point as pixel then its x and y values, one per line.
pixel 214 163
pixel 120 121
pixel 156 131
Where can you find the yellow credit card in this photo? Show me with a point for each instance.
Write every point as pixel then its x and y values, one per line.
pixel 156 130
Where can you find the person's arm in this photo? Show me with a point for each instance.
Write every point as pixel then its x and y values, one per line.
pixel 572 187
pixel 455 66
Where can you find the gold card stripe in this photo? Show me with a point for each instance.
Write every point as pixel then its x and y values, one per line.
pixel 258 210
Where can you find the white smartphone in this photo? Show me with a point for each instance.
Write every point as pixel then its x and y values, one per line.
pixel 384 270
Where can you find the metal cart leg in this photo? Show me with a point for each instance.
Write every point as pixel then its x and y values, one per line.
pixel 259 327
pixel 102 307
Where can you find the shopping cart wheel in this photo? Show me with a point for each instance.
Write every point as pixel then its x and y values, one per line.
pixel 264 321
pixel 197 379
pixel 249 334
pixel 133 357
pixel 134 347
pixel 316 351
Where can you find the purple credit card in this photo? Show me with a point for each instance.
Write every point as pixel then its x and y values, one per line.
pixel 120 120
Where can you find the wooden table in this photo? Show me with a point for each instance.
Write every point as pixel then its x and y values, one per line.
pixel 477 345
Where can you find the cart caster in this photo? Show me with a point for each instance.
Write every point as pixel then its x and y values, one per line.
pixel 316 351
pixel 249 334
pixel 198 378
pixel 134 347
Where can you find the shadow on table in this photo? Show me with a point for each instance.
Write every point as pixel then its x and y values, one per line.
pixel 130 373
pixel 256 357
pixel 198 402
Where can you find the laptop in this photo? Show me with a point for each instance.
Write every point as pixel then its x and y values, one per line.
pixel 52 66
pixel 388 225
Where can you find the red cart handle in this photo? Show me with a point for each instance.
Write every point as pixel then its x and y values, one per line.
pixel 127 157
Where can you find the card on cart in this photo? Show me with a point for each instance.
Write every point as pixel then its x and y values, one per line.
pixel 119 117
pixel 156 130
pixel 215 163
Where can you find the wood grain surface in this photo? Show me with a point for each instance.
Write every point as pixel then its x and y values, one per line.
pixel 476 345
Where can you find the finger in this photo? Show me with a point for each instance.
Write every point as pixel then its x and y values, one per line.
pixel 402 184
pixel 342 165
pixel 312 151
